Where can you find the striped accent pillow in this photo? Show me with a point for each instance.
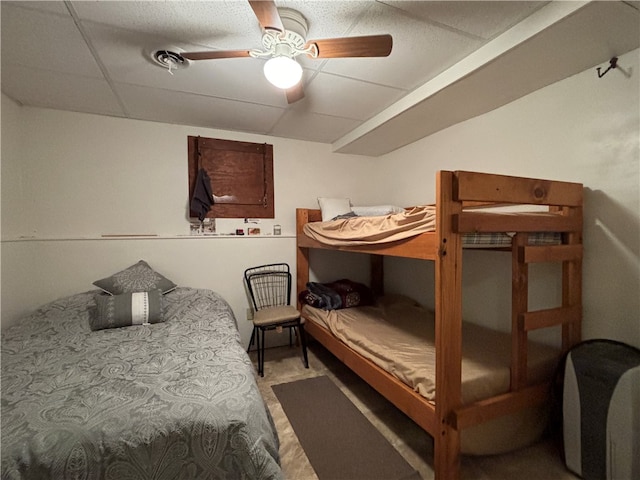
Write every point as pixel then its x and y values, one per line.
pixel 136 308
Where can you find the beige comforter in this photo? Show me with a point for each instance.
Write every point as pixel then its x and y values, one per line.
pixel 354 231
pixel 371 230
pixel 397 334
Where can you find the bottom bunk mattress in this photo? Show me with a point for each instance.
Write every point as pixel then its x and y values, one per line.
pixel 397 334
pixel 169 400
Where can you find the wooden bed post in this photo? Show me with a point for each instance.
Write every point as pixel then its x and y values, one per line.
pixel 302 256
pixel 376 281
pixel 519 306
pixel 448 326
pixel 572 285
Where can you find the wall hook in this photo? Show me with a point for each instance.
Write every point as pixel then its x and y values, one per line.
pixel 612 64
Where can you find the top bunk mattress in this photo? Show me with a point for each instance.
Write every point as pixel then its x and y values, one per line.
pixel 373 230
pixel 397 334
pixel 369 230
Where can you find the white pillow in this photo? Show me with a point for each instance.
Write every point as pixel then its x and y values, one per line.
pixel 332 207
pixel 376 210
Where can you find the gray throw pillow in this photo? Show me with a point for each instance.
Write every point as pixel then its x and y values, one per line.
pixel 136 308
pixel 137 278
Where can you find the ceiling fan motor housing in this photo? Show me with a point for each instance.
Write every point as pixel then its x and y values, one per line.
pixel 295 22
pixel 291 42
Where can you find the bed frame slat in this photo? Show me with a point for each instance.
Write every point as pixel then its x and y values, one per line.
pixel 494 407
pixel 484 187
pixel 470 222
pixel 550 253
pixel 550 317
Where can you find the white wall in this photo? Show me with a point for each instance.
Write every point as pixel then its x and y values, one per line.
pixel 11 178
pixel 86 175
pixel 69 178
pixel 584 129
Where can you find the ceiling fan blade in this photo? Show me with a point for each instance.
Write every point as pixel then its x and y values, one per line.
pixel 214 54
pixel 267 14
pixel 295 93
pixel 366 46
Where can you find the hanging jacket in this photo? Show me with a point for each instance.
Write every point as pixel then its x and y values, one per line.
pixel 202 198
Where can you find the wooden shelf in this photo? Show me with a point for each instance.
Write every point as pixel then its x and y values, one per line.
pixel 142 237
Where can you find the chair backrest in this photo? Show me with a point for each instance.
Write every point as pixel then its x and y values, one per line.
pixel 269 285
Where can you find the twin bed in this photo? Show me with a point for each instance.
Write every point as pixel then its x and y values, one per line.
pixel 471 389
pixel 175 399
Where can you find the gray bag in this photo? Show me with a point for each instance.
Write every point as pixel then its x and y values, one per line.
pixel 600 410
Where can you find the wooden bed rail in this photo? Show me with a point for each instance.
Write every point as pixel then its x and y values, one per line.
pixel 498 406
pixel 470 222
pixel 488 187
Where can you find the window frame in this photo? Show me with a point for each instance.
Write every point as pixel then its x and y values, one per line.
pixel 229 164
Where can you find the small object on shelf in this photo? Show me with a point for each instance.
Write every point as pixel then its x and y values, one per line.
pixel 195 228
pixel 253 231
pixel 239 231
pixel 209 226
pixel 277 230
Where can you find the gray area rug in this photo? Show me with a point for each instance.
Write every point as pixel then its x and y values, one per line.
pixel 339 441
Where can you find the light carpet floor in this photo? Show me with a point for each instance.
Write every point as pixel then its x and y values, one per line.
pixel 541 461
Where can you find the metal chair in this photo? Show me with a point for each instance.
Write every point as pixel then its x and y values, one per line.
pixel 269 287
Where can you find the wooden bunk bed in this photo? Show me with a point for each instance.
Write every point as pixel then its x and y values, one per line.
pixel 458 194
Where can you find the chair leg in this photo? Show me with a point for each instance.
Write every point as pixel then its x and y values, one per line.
pixel 251 341
pixel 261 357
pixel 303 341
pixel 259 350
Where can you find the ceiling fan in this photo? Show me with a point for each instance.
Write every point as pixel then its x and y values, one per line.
pixel 284 38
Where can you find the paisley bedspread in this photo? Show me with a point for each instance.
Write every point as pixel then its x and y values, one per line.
pixel 172 400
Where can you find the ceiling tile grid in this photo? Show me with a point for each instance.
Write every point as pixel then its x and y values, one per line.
pixel 176 107
pixel 32 38
pixel 95 57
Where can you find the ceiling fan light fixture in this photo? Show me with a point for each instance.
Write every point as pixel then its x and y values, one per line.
pixel 282 71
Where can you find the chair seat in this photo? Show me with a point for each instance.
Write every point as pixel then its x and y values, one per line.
pixel 276 315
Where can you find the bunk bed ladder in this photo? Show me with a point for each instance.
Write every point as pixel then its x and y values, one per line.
pixel 569 314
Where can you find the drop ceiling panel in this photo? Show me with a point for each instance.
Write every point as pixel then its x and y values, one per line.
pixel 296 124
pixel 42 40
pixel 344 97
pixel 479 19
pixel 420 50
pixel 188 109
pixel 44 88
pixel 45 6
pixel 228 25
